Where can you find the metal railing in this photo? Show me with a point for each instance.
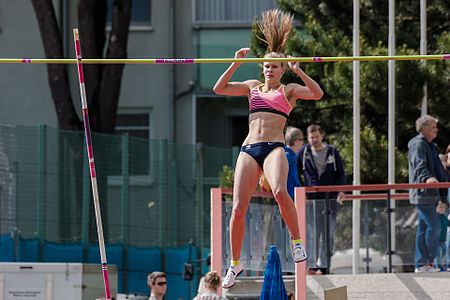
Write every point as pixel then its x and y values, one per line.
pixel 385 192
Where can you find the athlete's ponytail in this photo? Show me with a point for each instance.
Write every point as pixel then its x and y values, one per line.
pixel 275 26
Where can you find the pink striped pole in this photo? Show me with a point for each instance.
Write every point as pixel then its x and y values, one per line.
pixel 90 152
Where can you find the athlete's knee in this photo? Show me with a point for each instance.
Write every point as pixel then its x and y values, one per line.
pixel 281 195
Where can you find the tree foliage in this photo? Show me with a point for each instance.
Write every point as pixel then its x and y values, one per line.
pixel 326 30
pixel 372 146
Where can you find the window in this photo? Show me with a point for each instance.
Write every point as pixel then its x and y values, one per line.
pixel 140 14
pixel 137 126
pixel 229 12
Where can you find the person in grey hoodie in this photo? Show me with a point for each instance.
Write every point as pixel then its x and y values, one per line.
pixel 320 164
pixel 426 167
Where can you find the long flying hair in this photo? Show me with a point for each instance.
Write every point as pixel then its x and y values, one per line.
pixel 275 26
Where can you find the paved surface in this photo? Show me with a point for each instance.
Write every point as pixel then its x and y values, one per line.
pixel 396 286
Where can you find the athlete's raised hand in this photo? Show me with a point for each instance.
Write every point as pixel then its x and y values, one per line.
pixel 294 65
pixel 241 53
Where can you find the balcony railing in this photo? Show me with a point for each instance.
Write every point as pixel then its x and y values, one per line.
pixel 229 12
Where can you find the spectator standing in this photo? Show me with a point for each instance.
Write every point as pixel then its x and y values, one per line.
pixel 426 167
pixel 294 142
pixel 212 281
pixel 157 282
pixel 320 164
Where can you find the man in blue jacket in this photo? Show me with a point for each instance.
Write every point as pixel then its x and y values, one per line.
pixel 320 164
pixel 426 167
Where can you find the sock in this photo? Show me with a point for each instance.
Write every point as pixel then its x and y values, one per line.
pixel 235 263
pixel 294 242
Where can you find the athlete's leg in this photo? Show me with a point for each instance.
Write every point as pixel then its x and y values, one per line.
pixel 246 176
pixel 276 171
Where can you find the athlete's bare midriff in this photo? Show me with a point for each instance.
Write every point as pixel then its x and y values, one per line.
pixel 265 127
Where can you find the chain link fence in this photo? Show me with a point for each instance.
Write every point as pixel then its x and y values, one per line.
pixel 154 194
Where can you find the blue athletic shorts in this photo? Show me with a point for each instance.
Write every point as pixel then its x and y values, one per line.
pixel 259 151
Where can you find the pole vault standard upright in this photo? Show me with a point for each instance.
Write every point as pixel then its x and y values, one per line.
pixel 90 153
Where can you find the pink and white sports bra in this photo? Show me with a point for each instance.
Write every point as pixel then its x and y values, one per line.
pixel 274 102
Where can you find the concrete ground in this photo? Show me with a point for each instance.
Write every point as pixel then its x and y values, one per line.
pixel 394 286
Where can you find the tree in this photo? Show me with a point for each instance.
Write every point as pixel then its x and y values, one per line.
pixel 102 81
pixel 326 30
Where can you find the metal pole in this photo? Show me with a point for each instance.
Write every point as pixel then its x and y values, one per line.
pixel 356 209
pixel 125 207
pixel 391 109
pixel 423 50
pixel 327 231
pixel 41 190
pixel 163 191
pixel 125 193
pixel 199 211
pixel 173 213
pixel 389 237
pixel 366 235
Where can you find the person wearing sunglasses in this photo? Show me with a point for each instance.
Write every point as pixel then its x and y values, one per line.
pixel 157 282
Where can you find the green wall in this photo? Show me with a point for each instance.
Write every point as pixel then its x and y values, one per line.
pixel 222 43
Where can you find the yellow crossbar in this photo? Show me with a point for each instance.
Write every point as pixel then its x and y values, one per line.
pixel 220 60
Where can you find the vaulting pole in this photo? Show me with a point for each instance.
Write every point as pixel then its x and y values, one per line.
pixel 90 153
